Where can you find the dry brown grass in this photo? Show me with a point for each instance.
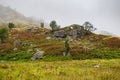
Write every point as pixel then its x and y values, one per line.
pixel 112 42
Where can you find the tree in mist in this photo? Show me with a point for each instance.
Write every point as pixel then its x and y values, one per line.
pixel 42 25
pixel 88 27
pixel 11 25
pixel 53 25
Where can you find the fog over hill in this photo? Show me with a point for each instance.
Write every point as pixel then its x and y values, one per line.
pixel 8 14
pixel 103 32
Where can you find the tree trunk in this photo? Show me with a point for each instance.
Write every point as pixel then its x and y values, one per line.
pixel 2 40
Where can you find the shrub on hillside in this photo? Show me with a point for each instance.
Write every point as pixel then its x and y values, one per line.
pixel 104 54
pixel 11 25
pixel 54 50
pixel 77 53
pixel 6 48
pixel 3 34
pixel 113 42
pixel 21 55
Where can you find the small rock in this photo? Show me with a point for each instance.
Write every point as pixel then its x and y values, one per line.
pixel 48 38
pixel 64 54
pixel 29 50
pixel 31 44
pixel 91 40
pixel 37 49
pixel 96 66
pixel 15 49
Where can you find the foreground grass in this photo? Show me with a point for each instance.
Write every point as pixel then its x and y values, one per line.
pixel 61 70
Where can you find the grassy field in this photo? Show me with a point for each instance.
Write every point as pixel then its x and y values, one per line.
pixel 61 70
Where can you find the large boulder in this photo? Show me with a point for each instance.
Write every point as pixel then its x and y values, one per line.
pixel 60 34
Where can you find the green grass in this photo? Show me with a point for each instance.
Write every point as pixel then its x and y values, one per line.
pixel 105 54
pixel 18 56
pixel 60 70
pixel 56 55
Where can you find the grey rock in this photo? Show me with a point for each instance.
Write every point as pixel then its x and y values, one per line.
pixel 90 40
pixel 73 33
pixel 60 34
pixel 37 55
pixel 17 42
pixel 64 54
pixel 33 29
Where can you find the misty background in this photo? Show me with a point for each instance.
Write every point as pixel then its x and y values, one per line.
pixel 103 14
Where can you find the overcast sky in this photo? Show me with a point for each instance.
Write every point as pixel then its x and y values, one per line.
pixel 103 14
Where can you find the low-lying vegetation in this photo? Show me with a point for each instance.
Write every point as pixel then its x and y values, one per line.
pixel 57 55
pixel 61 70
pixel 80 48
pixel 23 43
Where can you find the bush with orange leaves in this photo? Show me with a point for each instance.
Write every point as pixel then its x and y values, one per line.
pixel 6 48
pixel 113 42
pixel 54 50
pixel 23 35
